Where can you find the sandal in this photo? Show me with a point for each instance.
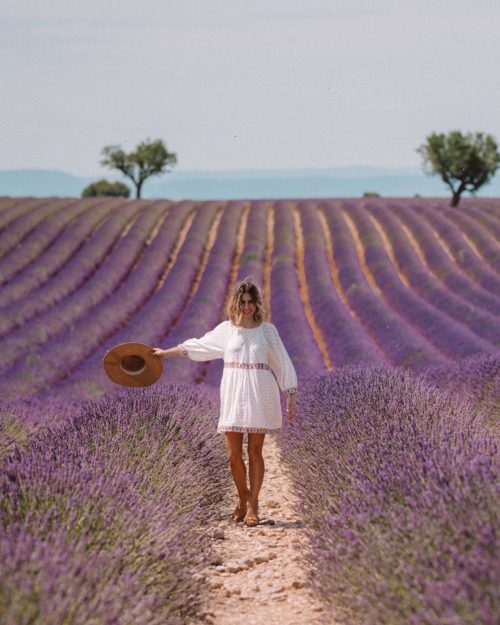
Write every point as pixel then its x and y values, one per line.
pixel 251 519
pixel 238 515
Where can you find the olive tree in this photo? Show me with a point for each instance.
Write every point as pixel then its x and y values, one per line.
pixel 464 162
pixel 150 158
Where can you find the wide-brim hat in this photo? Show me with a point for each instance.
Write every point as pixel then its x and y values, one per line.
pixel 132 364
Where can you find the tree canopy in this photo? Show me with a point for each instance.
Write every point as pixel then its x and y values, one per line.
pixel 464 162
pixel 105 188
pixel 150 158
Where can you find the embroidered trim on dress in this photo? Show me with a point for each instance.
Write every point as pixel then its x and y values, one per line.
pixel 247 365
pixel 231 428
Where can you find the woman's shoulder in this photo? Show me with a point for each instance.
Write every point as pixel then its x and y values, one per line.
pixel 268 326
pixel 223 325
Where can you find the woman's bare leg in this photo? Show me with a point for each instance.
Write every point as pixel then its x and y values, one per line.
pixel 256 470
pixel 234 446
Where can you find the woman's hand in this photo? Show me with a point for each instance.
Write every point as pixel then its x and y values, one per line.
pixel 157 351
pixel 171 352
pixel 290 408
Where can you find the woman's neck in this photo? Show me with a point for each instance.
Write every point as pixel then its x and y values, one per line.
pixel 255 324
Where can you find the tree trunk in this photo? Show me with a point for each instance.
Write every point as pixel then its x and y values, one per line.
pixel 455 198
pixel 138 188
pixel 457 193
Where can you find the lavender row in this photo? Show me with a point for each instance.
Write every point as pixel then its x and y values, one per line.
pixel 41 239
pixel 478 378
pixel 204 310
pixel 451 337
pixel 6 202
pixel 441 265
pixel 482 203
pixel 250 263
pixel 401 345
pixel 97 290
pixel 491 224
pixel 14 208
pixel 426 286
pixel 105 230
pixel 398 482
pixel 26 223
pixel 346 340
pixel 83 539
pixel 464 257
pixel 252 260
pixel 52 259
pixel 486 244
pixel 490 206
pixel 21 419
pixel 68 349
pixel 286 305
pixel 159 311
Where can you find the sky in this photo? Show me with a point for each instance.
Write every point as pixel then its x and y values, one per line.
pixel 231 84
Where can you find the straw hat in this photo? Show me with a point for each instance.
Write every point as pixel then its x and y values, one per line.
pixel 132 364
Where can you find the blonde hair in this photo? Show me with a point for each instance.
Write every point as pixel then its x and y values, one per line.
pixel 247 285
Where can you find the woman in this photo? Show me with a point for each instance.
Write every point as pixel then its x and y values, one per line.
pixel 250 402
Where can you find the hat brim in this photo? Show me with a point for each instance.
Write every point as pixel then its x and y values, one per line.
pixel 132 364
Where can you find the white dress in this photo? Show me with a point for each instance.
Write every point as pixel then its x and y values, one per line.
pixel 256 366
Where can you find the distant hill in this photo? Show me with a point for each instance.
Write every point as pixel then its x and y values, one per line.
pixel 244 184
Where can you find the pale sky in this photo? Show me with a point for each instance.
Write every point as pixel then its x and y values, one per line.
pixel 231 84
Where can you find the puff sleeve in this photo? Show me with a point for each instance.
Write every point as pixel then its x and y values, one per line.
pixel 209 347
pixel 280 362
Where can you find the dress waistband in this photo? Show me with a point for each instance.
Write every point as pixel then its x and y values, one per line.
pixel 247 365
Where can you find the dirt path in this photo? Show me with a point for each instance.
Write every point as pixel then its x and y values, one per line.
pixel 258 571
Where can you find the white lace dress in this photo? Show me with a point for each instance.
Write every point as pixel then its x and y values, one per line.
pixel 249 392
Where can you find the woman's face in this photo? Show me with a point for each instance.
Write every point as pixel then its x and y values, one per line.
pixel 247 306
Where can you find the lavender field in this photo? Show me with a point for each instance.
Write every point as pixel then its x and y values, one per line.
pixel 390 311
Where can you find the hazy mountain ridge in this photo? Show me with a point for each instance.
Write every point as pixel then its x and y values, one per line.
pixel 349 181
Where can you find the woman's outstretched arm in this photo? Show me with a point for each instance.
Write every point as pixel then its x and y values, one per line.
pixel 169 353
pixel 210 346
